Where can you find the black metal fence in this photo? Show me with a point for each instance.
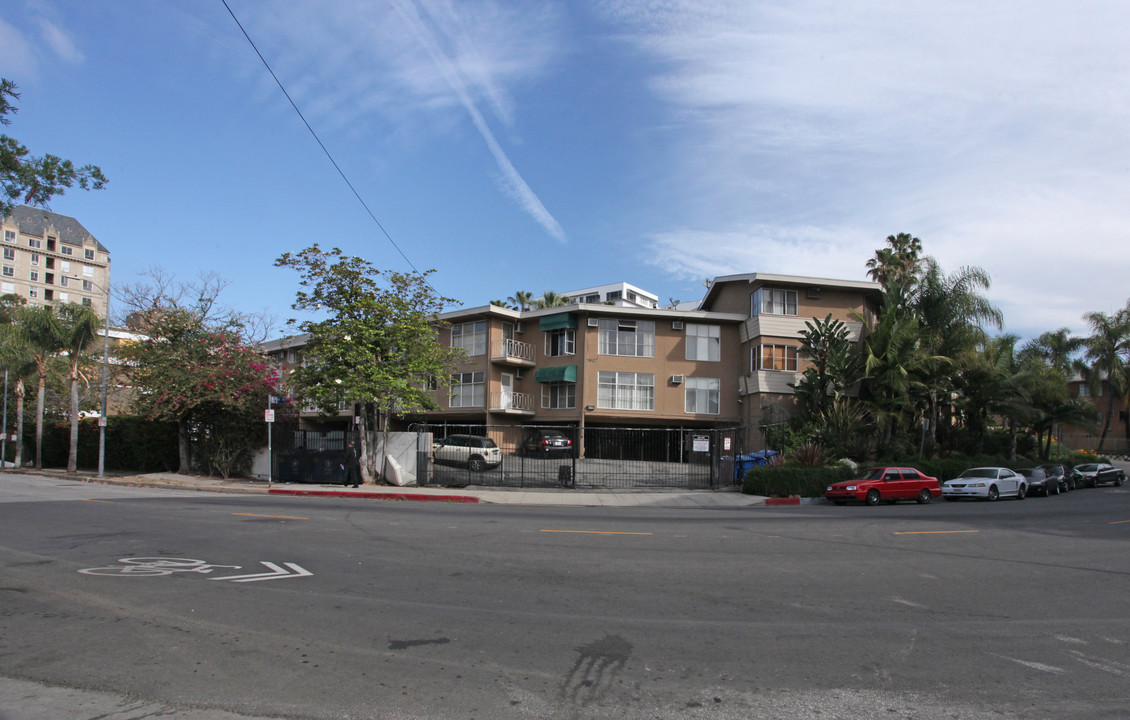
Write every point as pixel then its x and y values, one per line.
pixel 597 457
pixel 309 456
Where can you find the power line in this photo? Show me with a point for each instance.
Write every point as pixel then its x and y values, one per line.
pixel 319 141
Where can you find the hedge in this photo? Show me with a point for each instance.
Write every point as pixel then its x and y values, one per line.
pixel 789 481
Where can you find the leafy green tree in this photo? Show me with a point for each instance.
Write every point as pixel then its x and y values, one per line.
pixel 897 265
pixel 835 364
pixel 30 179
pixel 39 329
pixel 378 344
pixel 198 366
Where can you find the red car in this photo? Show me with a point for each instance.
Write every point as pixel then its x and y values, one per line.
pixel 886 483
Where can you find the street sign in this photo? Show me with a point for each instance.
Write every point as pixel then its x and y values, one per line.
pixel 269 416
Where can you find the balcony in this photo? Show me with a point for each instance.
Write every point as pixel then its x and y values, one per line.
pixel 512 403
pixel 512 352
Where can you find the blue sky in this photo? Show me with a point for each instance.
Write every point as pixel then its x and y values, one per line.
pixel 561 145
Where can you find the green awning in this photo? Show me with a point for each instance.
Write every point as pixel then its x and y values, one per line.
pixel 558 373
pixel 560 321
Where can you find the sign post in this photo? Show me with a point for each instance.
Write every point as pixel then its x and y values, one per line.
pixel 269 418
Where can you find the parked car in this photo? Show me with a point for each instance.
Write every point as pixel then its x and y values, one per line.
pixel 986 483
pixel 886 483
pixel 539 441
pixel 476 452
pixel 1061 475
pixel 1038 482
pixel 1093 474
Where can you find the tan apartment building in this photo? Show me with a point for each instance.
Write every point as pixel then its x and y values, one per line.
pixel 598 365
pixel 51 258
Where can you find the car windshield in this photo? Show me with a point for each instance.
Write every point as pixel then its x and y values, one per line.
pixel 874 474
pixel 1030 472
pixel 979 473
pixel 1086 468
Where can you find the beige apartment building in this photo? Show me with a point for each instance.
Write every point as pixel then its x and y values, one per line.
pixel 51 258
pixel 600 365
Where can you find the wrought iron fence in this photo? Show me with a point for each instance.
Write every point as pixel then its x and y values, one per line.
pixel 309 456
pixel 598 457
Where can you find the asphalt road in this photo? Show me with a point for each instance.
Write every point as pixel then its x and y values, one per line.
pixel 348 608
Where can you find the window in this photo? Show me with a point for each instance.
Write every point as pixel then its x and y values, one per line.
pixel 87 286
pixel 10 236
pixel 468 389
pixel 33 276
pixel 561 342
pixel 86 301
pixel 625 390
pixel 775 357
pixel 87 271
pixel 293 355
pixel 633 338
pixel 559 396
pixel 64 297
pixel 67 250
pixel 704 342
pixel 9 254
pixel 774 301
pixel 33 243
pixel 89 254
pixel 7 288
pixel 614 295
pixel 9 271
pixel 472 337
pixel 64 281
pixel 65 266
pixel 50 263
pixel 703 395
pixel 35 258
pixel 33 293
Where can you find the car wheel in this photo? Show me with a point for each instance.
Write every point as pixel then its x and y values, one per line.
pixel 924 497
pixel 1021 492
pixel 994 493
pixel 1118 480
pixel 476 464
pixel 873 497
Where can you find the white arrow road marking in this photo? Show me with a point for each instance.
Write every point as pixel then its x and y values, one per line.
pixel 277 573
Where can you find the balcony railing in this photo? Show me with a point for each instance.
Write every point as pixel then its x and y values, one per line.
pixel 511 402
pixel 513 351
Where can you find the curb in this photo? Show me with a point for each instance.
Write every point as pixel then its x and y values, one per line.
pixel 782 501
pixel 377 495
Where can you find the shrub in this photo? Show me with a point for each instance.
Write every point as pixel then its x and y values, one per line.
pixel 788 481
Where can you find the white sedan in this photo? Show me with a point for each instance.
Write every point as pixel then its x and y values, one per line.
pixel 986 483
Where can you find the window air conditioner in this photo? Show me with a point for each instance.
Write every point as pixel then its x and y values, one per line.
pixel 813 293
pixel 519 373
pixel 520 327
pixel 676 324
pixel 594 322
pixel 676 379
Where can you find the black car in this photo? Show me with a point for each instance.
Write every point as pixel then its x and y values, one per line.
pixel 1039 482
pixel 1061 475
pixel 1094 474
pixel 544 442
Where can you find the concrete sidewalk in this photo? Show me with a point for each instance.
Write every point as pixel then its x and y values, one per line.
pixel 500 496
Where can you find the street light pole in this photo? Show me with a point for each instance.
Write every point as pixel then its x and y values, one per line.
pixel 102 419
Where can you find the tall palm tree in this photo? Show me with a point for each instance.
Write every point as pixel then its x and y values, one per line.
pixel 18 359
pixel 39 327
pixel 1107 357
pixel 551 299
pixel 77 327
pixel 1056 347
pixel 521 300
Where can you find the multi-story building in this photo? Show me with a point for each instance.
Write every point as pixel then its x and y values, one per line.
pixel 52 258
pixel 621 294
pixel 593 364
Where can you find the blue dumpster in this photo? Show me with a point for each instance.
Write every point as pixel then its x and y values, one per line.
pixel 742 463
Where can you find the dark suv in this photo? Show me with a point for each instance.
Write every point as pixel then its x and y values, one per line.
pixel 544 443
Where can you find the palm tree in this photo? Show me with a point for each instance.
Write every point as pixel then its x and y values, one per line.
pixel 521 300
pixel 1105 355
pixel 898 263
pixel 1056 347
pixel 39 327
pixel 77 327
pixel 550 299
pixel 17 358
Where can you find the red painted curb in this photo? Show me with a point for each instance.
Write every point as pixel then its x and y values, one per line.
pixel 782 501
pixel 377 496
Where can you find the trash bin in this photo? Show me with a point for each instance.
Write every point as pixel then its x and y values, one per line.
pixel 565 476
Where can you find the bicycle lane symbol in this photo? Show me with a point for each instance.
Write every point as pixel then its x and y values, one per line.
pixel 162 566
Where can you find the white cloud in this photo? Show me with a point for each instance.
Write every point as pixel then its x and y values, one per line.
pixel 15 53
pixel 808 131
pixel 348 64
pixel 60 41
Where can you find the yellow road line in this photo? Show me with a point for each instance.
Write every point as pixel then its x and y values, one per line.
pixel 111 502
pixel 279 517
pixel 1120 522
pixel 594 532
pixel 935 532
